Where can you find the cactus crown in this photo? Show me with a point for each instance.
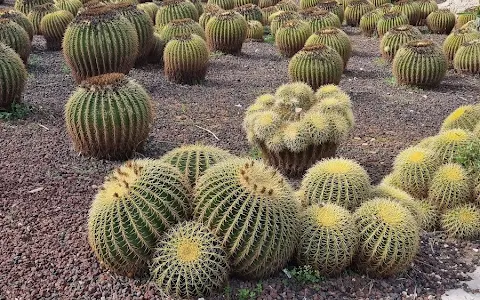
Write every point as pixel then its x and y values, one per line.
pixel 47 7
pixel 443 11
pixel 402 28
pixel 328 31
pixel 246 7
pixel 451 172
pixel 454 135
pixel 316 51
pixel 127 7
pixel 315 13
pixel 9 13
pixel 392 15
pixel 253 177
pixel 286 15
pixel 110 80
pixel 327 215
pixel 170 2
pixel 117 185
pixel 95 15
pixel 471 43
pixel 422 46
pixel 5 21
pixel 358 2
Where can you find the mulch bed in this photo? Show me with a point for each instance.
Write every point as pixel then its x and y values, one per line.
pixel 46 188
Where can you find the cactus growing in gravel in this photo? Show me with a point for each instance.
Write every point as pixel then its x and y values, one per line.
pixel 194 160
pixel 419 63
pixel 156 53
pixel 150 8
pixel 389 237
pixel 462 222
pixel 455 39
pixel 226 32
pixel 467 57
pixel 251 208
pixel 25 6
pixel 71 6
pixel 329 238
pixel 210 11
pixel 395 38
pixel 426 8
pixel 267 12
pixel 332 6
pixel 15 37
pixel 409 8
pixel 250 12
pixel 108 116
pixel 180 27
pixel 287 5
pixel 185 59
pixel 291 37
pixel 441 21
pixel 223 4
pixel 334 38
pixel 368 23
pixel 13 76
pixel 94 30
pixel 390 20
pixel 280 18
pixel 19 18
pixel 316 65
pixel 53 27
pixel 319 18
pixel 189 261
pixel 37 13
pixel 339 181
pixel 137 202
pixel 170 10
pixel 355 10
pixel 255 31
pixel 465 117
pixel 447 144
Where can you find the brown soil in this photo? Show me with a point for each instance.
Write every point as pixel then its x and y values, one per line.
pixel 46 188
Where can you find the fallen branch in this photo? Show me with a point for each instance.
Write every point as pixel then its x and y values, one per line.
pixel 216 137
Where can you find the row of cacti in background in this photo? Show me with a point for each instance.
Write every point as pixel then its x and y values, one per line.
pixel 198 214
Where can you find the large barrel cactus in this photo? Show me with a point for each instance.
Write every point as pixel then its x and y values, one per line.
pixel 13 76
pixel 72 6
pixel 441 21
pixel 267 12
pixel 189 261
pixel 175 9
pixel 156 53
pixel 37 13
pixel 395 38
pixel 226 32
pixel 389 237
pixel 448 144
pixel 467 58
pixel 15 37
pixel 19 18
pixel 280 18
pixel 368 23
pixel 291 37
pixel 419 63
pixel 334 38
pixel 137 202
pixel 318 18
pixel 252 209
pixel 332 6
pixel 466 16
pixel 456 39
pixel 181 27
pixel 254 31
pixel 390 20
pixel 108 116
pixel 409 8
pixel 465 117
pixel 100 41
pixel 426 8
pixel 150 8
pixel 355 10
pixel 53 27
pixel 25 6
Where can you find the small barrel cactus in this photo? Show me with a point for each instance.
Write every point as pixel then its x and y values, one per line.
pixel 447 144
pixel 329 238
pixel 267 12
pixel 384 8
pixel 150 8
pixel 194 160
pixel 15 37
pixel 316 65
pixel 255 31
pixel 368 23
pixel 90 33
pixel 223 4
pixel 395 38
pixel 419 63
pixel 462 222
pixel 467 58
pixel 137 202
pixel 304 4
pixel 355 10
pixel 287 5
pixel 108 116
pixel 334 38
pixel 441 21
pixel 19 18
pixel 318 18
pixel 226 32
pixel 386 190
pixel 71 6
pixel 455 39
pixel 426 8
pixel 25 6
pixel 332 6
pixel 208 14
pixel 37 13
pixel 291 37
pixel 53 27
pixel 465 117
pixel 170 10
pixel 389 237
pixel 466 16
pixel 280 18
pixel 181 27
pixel 409 8
pixel 251 208
pixel 156 53
pixel 13 76
pixel 250 12
pixel 390 20
pixel 189 261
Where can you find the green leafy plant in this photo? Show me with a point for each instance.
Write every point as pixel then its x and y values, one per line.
pixel 17 111
pixel 306 275
pixel 270 39
pixel 469 156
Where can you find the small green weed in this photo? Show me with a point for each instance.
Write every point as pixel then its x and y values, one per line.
pixel 380 61
pixel 391 80
pixel 469 156
pixel 227 292
pixel 66 69
pixel 270 39
pixel 254 153
pixel 306 275
pixel 216 54
pixel 247 294
pixel 33 60
pixel 17 111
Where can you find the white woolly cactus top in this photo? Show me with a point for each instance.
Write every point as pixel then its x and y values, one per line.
pixel 296 117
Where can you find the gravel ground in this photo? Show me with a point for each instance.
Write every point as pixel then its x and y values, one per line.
pixel 46 188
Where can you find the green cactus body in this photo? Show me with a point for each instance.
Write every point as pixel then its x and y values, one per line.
pixel 15 37
pixel 156 53
pixel 13 76
pixel 238 3
pixel 198 5
pixel 71 6
pixel 419 63
pixel 390 20
pixel 332 6
pixel 267 12
pixel 226 32
pixel 287 5
pixel 441 21
pixel 334 38
pixel 426 8
pixel 447 144
pixel 379 3
pixel 318 18
pixel 99 41
pixel 392 192
pixel 413 170
pixel 150 8
pixel 343 4
pixel 37 13
pixel 25 6
pixel 465 17
pixel 465 117
pixel 189 261
pixel 329 238
pixel 137 202
pixel 267 3
pixel 175 9
pixel 19 18
pixel 409 8
pixel 250 12
pixel 455 39
pixel 467 58
pixel 462 222
pixel 316 65
pixel 204 18
pixel 255 31
pixel 389 237
pixel 251 208
pixel 280 18
pixel 339 181
pixel 108 116
pixel 185 59
pixel 304 4
pixel 355 10
pixel 368 23
pixel 291 37
pixel 224 4
pixel 395 38
pixel 53 27
pixel 384 8
pixel 181 27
